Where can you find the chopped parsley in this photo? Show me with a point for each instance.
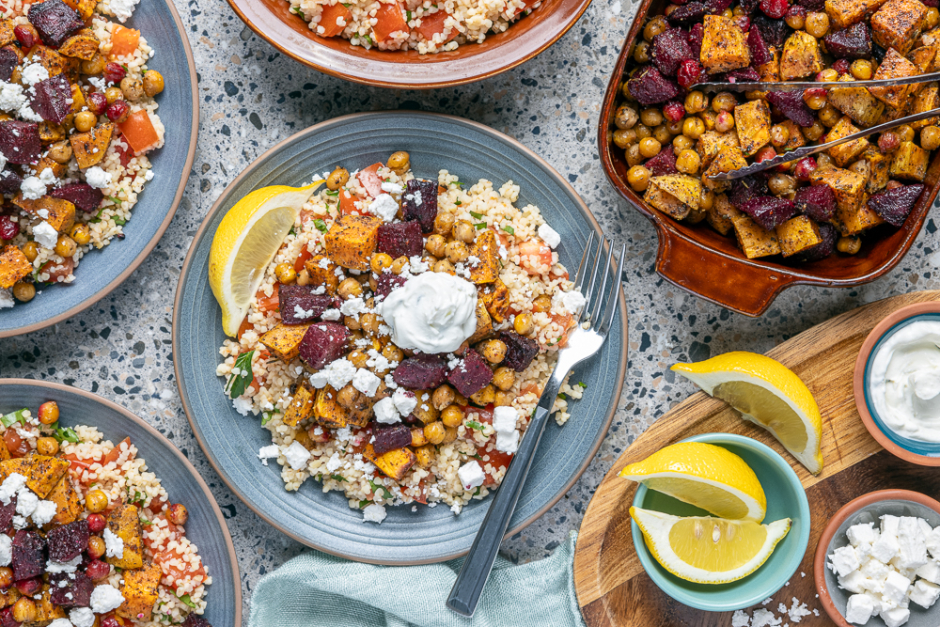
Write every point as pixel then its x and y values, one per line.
pixel 238 383
pixel 363 503
pixel 118 220
pixel 582 385
pixel 297 11
pixel 508 229
pixel 458 203
pixel 479 225
pixel 188 601
pixel 116 201
pixel 338 477
pixel 267 416
pixel 368 40
pixel 378 489
pixel 332 192
pixel 478 216
pixel 66 434
pixel 321 225
pixel 476 492
pixel 473 424
pixel 13 417
pixel 292 231
pixel 562 396
pixel 408 15
pixel 145 523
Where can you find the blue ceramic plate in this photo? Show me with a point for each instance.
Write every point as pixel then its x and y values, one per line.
pixel 206 526
pixel 100 271
pixel 231 441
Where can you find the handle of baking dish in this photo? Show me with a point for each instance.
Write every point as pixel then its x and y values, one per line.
pixel 733 283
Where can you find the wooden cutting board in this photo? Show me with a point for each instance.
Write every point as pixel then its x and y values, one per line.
pixel 613 589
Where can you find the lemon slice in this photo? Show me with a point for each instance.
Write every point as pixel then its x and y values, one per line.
pixel 707 476
pixel 768 394
pixel 245 243
pixel 708 550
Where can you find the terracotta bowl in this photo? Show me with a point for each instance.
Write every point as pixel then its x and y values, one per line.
pixel 914 451
pixel 697 258
pixel 335 56
pixel 865 509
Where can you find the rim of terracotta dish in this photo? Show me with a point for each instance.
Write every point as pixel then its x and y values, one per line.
pixel 190 157
pixel 252 11
pixel 822 548
pixel 858 382
pixel 205 225
pixel 140 422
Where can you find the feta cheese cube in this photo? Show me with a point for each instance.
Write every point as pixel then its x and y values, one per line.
pixel 929 571
pixel 895 617
pixel 853 582
pixel 844 560
pixel 889 525
pixel 859 609
pixel 385 412
pixel 924 593
pixel 896 587
pixel 885 548
pixel 933 543
pixel 912 544
pixel 861 533
pixel 471 475
pixel 297 455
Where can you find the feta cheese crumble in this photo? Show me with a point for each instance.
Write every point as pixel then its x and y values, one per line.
pixel 549 235
pixel 297 455
pixel 114 545
pixel 105 598
pixel 374 513
pixel 471 475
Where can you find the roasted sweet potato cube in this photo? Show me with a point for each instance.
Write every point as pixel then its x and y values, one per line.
pixel 9 596
pixel 857 103
pixel 486 249
pixel 351 241
pixel 926 99
pixel 46 611
pixel 140 591
pixel 19 465
pixel 923 57
pixel 724 46
pixel 797 234
pixel 721 214
pixel 327 411
pixel 90 147
pixel 301 405
pixel 848 187
pixel 845 153
pixel 79 101
pixel 322 272
pixel 59 213
pixel 361 412
pixel 13 266
pixel 68 506
pixel 54 62
pixel 124 522
pixel 85 8
pixel 58 169
pixel 394 463
pixel 51 132
pixel 755 240
pixel 6 32
pixel 284 340
pixel 770 71
pixel 801 57
pixel 909 162
pixel 725 161
pixel 711 143
pixel 894 66
pixel 44 473
pixel 844 13
pixel 897 24
pixel 484 323
pixel 752 121
pixel 878 165
pixel 796 139
pixel 495 296
pixel 667 203
pixel 82 45
pixel 853 222
pixel 674 194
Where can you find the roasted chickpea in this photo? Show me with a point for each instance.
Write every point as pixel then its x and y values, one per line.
pixel 862 167
pixel 23 291
pixel 369 323
pixel 639 178
pixel 399 264
pixel 177 514
pixel 681 142
pixel 392 353
pixel 688 162
pixel 380 261
pixel 654 27
pixel 347 396
pixel 337 178
pixel 814 132
pixel 696 102
pixel 443 266
pixel 443 396
pixel 399 162
pixel 650 147
pixel 823 161
pixel 24 610
pixel 724 122
pixel 424 455
pixel 495 351
pixel 796 21
pixel 817 24
pixel 662 134
pixel 358 358
pixel 85 121
pixel 47 446
pixel 452 416
pixel 707 200
pixel 113 94
pixel 96 547
pixel 503 399
pixel 302 437
pixel 728 13
pixel 861 69
pixel 504 378
pixel 132 88
pixel 815 102
pixel 31 250
pixel 930 138
pixel 633 155
pixel 95 65
pixel 828 75
pixel 303 277
pixel 349 288
pixel 849 245
pixel 485 396
pixel 464 232
pixel 641 53
pixel 779 135
pixel 444 223
pixel 96 501
pixel 781 184
pixel 651 117
pixel 434 432
pixel 523 324
pixel 49 413
pixel 674 126
pixel 456 252
pixel 724 101
pixel 285 273
pixel 65 246
pixel 6 577
pixel 905 132
pixel 625 117
pixel 829 115
pixel 693 128
pixel 153 83
pixel 61 152
pixel 708 117
pixel 932 17
pixel 624 137
pixel 643 131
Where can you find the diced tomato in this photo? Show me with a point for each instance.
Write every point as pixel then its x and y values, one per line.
pixel 497 459
pixel 423 496
pixel 57 271
pixel 267 303
pixel 565 321
pixel 174 533
pixel 530 388
pixel 389 20
pixel 115 453
pixel 302 259
pixel 77 466
pixel 139 132
pixel 165 559
pixel 485 414
pixel 434 24
pixel 124 151
pixel 124 41
pixel 157 504
pixel 369 177
pixel 347 204
pixel 360 438
pixel 17 446
pixel 534 256
pixel 245 326
pixel 332 14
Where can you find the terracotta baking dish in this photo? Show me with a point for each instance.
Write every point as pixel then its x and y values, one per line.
pixel 699 259
pixel 524 39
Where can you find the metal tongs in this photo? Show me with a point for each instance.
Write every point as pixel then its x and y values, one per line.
pixel 799 153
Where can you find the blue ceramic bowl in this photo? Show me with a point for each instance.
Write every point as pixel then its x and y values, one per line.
pixel 101 271
pixel 231 441
pixel 206 526
pixel 785 499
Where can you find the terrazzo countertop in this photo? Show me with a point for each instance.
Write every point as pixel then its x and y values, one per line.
pixel 252 97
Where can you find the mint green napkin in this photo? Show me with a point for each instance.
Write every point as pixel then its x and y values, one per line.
pixel 316 589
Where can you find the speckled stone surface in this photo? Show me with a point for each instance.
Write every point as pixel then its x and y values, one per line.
pixel 252 97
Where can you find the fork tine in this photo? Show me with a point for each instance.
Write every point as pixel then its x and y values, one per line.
pixel 598 304
pixel 589 292
pixel 582 267
pixel 614 299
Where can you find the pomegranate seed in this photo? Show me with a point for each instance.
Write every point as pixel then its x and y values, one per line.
pixel 113 72
pixel 8 228
pixel 96 523
pixel 117 110
pixel 97 103
pixel 888 142
pixel 804 167
pixel 743 22
pixel 25 35
pixel 110 621
pixel 690 73
pixel 674 111
pixel 28 587
pixel 766 153
pixel 774 8
pixel 98 570
pixel 841 66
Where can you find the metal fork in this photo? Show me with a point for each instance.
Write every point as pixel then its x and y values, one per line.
pixel 584 341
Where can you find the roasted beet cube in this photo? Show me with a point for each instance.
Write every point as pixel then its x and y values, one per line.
pixel 471 375
pixel 853 42
pixel 688 14
pixel 821 250
pixel 388 282
pixel 52 98
pixel 74 592
pixel 769 211
pixel 421 372
pixel 55 21
pixel 716 7
pixel 10 182
pixel 8 62
pixel 742 75
pixel 68 541
pixel 82 195
pixel 520 351
pixel 19 141
pixel 7 512
pixel 28 555
pixel 388 438
pixel 299 304
pixel 650 87
pixel 791 105
pixel 420 203
pixel 746 188
pixel 670 48
pixel 192 621
pixel 696 34
pixel 400 239
pixel 323 342
pixel 663 163
pixel 816 201
pixel 774 32
pixel 760 53
pixel 749 6
pixel 812 5
pixel 894 205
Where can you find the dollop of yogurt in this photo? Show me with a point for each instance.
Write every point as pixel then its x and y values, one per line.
pixel 433 312
pixel 905 381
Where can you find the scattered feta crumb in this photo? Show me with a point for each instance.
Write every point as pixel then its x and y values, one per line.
pixel 549 235
pixel 297 455
pixel 267 452
pixel 43 232
pixel 374 513
pixel 471 475
pixel 114 545
pixel 105 598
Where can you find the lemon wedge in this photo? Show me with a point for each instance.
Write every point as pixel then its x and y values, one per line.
pixel 707 476
pixel 708 550
pixel 245 243
pixel 768 394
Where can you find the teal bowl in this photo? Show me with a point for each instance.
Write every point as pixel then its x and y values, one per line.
pixel 787 499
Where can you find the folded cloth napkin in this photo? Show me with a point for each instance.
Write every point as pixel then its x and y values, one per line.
pixel 316 589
